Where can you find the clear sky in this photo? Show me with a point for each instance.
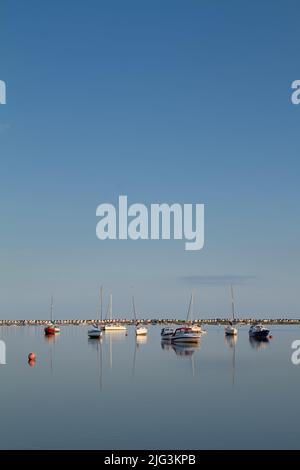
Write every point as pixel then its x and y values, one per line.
pixel 164 101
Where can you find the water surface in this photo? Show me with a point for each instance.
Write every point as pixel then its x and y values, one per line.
pixel 118 393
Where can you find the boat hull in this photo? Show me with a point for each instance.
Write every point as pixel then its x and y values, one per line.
pixel 230 331
pixel 141 331
pixel 94 334
pixel 260 334
pixel 114 328
pixel 50 331
pixel 186 339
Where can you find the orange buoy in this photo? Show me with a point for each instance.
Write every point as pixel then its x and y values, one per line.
pixel 31 356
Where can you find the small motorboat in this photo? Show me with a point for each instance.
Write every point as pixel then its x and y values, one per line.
pixel 185 335
pixel 230 330
pixel 258 331
pixel 94 332
pixel 141 330
pixel 167 333
pixel 51 329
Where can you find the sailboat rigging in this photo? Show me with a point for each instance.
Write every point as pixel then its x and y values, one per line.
pixel 140 330
pixel 230 329
pixel 112 326
pixel 51 329
pixel 96 332
pixel 190 315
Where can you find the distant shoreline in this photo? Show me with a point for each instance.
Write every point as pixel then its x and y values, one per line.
pixel 214 321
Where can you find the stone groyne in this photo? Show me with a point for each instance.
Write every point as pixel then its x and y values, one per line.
pixel 168 321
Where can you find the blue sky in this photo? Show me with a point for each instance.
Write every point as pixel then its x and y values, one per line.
pixel 173 101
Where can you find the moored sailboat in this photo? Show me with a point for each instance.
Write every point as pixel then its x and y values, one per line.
pixel 51 328
pixel 140 330
pixel 230 330
pixel 111 326
pixel 96 332
pixel 190 316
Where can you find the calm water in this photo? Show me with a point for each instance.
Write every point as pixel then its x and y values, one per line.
pixel 117 393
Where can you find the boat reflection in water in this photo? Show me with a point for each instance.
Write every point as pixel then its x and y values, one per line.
pixel 185 350
pixel 231 341
pixel 141 339
pixel 97 346
pixel 51 340
pixel 258 343
pixel 166 345
pixel 182 350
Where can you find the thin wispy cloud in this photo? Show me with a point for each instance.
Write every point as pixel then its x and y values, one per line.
pixel 218 280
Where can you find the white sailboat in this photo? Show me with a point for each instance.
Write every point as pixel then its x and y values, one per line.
pixel 96 332
pixel 196 328
pixel 230 330
pixel 140 330
pixel 111 326
pixel 187 334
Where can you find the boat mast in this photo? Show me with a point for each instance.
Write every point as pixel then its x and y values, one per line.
pixel 133 306
pixel 101 303
pixel 110 352
pixel 191 308
pixel 51 309
pixel 232 301
pixel 110 307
